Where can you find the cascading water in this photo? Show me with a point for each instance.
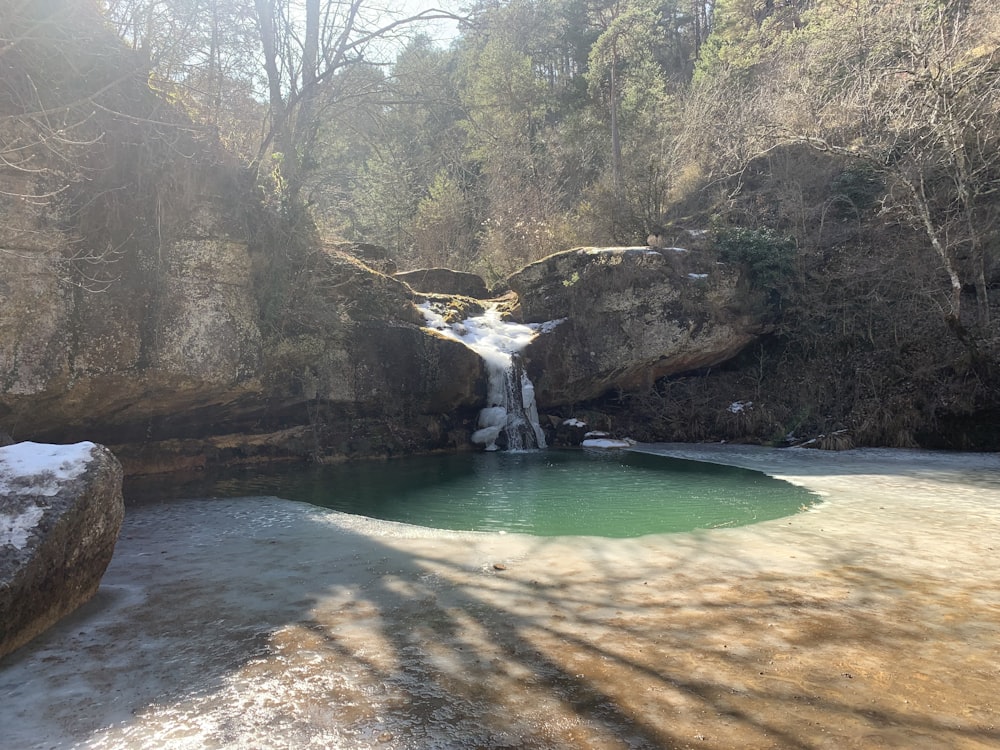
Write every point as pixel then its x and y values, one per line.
pixel 512 410
pixel 510 402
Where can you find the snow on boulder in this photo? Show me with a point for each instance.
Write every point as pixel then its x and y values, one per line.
pixel 61 510
pixel 570 431
pixel 605 441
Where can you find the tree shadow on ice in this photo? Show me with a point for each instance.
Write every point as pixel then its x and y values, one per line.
pixel 256 622
pixel 726 664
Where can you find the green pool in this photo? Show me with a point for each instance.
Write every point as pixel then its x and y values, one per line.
pixel 546 493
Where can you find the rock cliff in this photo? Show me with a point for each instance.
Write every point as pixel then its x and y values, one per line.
pixel 216 345
pixel 157 298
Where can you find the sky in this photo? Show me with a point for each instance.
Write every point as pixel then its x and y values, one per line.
pixel 442 32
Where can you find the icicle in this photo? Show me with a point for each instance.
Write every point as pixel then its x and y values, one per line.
pixel 510 409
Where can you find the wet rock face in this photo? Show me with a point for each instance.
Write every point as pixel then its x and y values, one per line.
pixel 58 528
pixel 632 315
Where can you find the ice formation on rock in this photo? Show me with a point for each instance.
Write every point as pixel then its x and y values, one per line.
pixel 510 402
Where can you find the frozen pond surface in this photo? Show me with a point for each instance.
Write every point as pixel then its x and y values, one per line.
pixel 871 620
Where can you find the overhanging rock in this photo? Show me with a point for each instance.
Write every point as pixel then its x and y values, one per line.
pixel 629 315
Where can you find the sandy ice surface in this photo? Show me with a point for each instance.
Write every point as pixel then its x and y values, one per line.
pixel 869 621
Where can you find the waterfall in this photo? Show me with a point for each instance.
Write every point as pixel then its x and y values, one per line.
pixel 510 409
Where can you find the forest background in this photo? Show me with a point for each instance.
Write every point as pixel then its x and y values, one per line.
pixel 846 152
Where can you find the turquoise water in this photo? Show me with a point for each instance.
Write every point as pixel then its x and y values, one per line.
pixel 546 493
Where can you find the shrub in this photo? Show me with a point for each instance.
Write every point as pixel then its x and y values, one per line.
pixel 767 256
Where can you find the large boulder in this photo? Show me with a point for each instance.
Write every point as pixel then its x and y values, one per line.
pixel 623 317
pixel 61 510
pixel 445 281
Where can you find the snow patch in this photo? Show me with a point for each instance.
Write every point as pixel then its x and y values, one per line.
pixel 489 333
pixel 35 469
pixel 548 326
pixel 697 275
pixel 607 443
pixel 599 439
pixel 15 528
pixel 574 422
pixel 47 465
pixel 738 407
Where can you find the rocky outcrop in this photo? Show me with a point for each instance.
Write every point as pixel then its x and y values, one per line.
pixel 320 358
pixel 176 345
pixel 445 281
pixel 60 513
pixel 629 316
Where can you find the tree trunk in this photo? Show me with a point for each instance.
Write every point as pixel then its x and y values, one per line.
pixel 923 211
pixel 982 292
pixel 276 102
pixel 616 147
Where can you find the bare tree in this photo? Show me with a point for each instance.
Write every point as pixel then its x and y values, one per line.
pixel 916 98
pixel 234 61
pixel 305 46
pixel 59 77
